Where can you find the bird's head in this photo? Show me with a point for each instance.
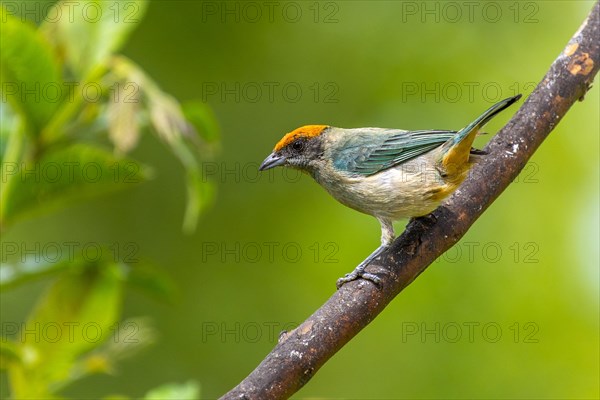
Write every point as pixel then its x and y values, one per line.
pixel 301 148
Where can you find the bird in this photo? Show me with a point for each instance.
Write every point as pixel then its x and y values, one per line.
pixel 390 174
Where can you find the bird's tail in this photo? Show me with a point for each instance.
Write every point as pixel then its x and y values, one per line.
pixel 457 149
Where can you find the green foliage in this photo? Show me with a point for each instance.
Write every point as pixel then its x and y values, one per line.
pixel 87 297
pixel 54 152
pixel 176 125
pixel 61 176
pixel 68 57
pixel 15 274
pixel 187 391
pixel 28 63
pixel 100 35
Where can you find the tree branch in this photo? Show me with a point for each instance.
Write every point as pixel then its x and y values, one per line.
pixel 301 352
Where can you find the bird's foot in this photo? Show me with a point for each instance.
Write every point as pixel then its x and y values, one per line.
pixel 356 274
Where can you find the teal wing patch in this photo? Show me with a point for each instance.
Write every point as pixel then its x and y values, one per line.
pixel 369 154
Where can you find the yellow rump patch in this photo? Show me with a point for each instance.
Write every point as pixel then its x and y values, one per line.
pixel 306 131
pixel 457 157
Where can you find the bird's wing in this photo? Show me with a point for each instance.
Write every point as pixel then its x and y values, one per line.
pixel 369 154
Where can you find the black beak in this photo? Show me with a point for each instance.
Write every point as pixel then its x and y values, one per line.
pixel 272 161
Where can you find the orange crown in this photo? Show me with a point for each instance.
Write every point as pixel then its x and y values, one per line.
pixel 306 131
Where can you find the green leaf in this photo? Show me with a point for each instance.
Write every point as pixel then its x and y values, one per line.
pixel 90 295
pixel 77 314
pixel 13 142
pixel 89 38
pixel 128 338
pixel 180 127
pixel 200 195
pixel 30 73
pixel 152 280
pixel 202 119
pixel 172 391
pixel 62 176
pixel 123 125
pixel 137 273
pixel 14 274
pixel 9 353
pixel 8 125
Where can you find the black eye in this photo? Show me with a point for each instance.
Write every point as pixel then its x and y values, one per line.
pixel 298 145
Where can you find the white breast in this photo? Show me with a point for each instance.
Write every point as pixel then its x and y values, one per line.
pixel 404 191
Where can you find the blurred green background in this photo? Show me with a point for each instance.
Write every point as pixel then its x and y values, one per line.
pixel 511 312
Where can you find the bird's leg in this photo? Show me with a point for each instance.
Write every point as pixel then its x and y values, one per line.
pixel 387 237
pixel 359 272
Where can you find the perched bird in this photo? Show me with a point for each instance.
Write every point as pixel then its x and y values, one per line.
pixel 387 173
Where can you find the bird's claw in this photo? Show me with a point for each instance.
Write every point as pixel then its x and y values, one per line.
pixel 356 274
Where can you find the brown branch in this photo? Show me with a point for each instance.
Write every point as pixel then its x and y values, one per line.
pixel 301 352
